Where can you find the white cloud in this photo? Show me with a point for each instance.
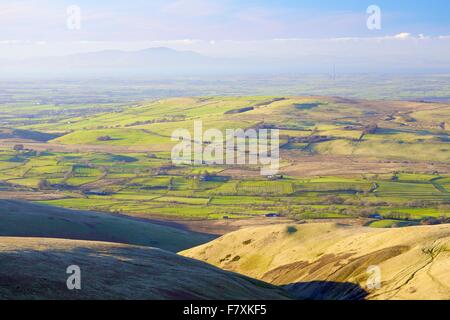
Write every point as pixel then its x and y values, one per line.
pixel 400 36
pixel 403 35
pixel 22 42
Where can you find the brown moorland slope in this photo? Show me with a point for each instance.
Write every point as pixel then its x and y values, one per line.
pixel 35 268
pixel 331 261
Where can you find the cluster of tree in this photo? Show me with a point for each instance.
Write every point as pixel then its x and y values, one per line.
pixel 311 139
pixel 163 120
pixel 103 127
pixel 393 215
pixel 20 148
pixel 309 212
pixel 337 200
pixel 241 110
pixel 203 176
pixel 368 129
pixel 408 118
pixel 419 204
pixel 104 138
pixel 44 184
pixel 429 221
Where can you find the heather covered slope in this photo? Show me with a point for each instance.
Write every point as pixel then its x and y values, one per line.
pixel 23 219
pixel 330 261
pixel 33 268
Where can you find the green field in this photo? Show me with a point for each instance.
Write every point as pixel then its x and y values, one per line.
pixel 402 161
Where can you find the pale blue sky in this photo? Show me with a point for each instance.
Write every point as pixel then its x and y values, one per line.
pixel 412 31
pixel 137 20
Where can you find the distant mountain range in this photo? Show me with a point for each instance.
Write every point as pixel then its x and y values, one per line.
pixel 159 61
pixel 169 62
pixel 148 61
pixel 148 58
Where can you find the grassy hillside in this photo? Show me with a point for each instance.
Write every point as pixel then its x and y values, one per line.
pixel 21 219
pixel 330 261
pixel 36 269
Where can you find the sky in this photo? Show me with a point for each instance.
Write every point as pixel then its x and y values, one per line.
pixel 412 31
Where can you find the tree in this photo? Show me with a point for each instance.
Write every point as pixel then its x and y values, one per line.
pixel 332 199
pixel 368 129
pixel 104 138
pixel 43 184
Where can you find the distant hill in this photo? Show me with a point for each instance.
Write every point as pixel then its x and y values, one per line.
pixel 156 61
pixel 22 219
pixel 331 261
pixel 36 269
pixel 148 61
pixel 153 57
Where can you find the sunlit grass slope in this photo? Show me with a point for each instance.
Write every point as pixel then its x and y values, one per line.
pixel 332 261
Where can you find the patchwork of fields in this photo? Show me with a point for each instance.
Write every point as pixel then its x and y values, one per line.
pixel 341 158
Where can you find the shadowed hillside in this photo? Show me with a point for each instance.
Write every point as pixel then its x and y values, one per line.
pixel 22 219
pixel 114 271
pixel 414 262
